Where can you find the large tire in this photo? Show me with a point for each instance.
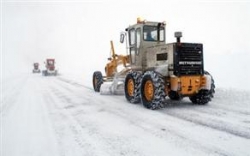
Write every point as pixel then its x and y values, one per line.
pixel 152 90
pixel 97 80
pixel 212 90
pixel 173 95
pixel 201 98
pixel 44 72
pixel 204 96
pixel 132 87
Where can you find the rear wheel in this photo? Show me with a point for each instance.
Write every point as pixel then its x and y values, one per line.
pixel 45 73
pixel 152 90
pixel 132 85
pixel 97 80
pixel 173 95
pixel 204 96
pixel 201 98
pixel 212 90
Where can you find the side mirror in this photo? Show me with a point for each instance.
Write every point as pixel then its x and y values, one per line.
pixel 122 36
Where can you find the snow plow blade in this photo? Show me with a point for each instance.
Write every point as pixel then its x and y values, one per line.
pixel 112 88
pixel 115 72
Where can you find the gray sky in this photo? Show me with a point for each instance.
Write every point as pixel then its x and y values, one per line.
pixel 77 33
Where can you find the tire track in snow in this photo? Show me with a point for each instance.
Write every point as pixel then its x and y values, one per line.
pixel 175 103
pixel 208 122
pixel 110 143
pixel 14 89
pixel 210 116
pixel 212 123
pixel 87 142
pixel 26 126
pixel 160 131
pixel 74 83
pixel 69 132
pixel 236 100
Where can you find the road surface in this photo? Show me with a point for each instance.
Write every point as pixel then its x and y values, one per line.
pixel 63 116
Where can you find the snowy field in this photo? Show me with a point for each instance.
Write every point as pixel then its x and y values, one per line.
pixel 63 116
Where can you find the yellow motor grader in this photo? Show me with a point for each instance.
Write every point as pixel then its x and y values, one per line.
pixel 157 69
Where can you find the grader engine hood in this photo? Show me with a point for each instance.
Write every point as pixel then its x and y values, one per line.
pixel 188 59
pixel 179 59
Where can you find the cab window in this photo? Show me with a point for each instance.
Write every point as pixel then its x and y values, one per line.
pixel 132 36
pixel 153 33
pixel 138 39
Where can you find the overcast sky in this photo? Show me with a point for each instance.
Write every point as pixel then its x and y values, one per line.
pixel 78 33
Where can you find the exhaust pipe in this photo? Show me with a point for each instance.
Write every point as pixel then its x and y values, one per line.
pixel 178 36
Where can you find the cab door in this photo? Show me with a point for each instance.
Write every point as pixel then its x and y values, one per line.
pixel 134 45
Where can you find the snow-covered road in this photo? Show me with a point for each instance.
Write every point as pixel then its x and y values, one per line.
pixel 63 116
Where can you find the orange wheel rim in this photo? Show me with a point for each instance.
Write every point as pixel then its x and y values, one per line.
pixel 149 90
pixel 130 87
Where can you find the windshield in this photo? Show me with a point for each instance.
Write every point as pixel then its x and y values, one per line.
pixel 50 62
pixel 153 33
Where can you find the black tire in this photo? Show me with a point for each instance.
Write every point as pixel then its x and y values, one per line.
pixel 212 90
pixel 201 98
pixel 97 80
pixel 173 95
pixel 44 72
pixel 204 96
pixel 132 87
pixel 152 90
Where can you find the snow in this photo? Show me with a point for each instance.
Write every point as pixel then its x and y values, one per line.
pixel 62 115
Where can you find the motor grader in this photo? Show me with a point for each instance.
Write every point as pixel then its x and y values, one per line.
pixel 36 68
pixel 50 68
pixel 157 69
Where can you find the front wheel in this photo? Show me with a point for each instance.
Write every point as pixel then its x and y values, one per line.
pixel 152 90
pixel 97 80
